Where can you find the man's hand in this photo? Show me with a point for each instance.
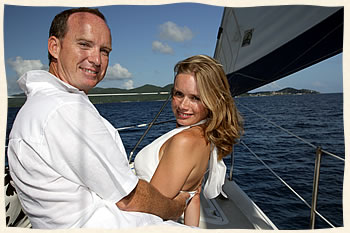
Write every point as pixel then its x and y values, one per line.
pixel 146 198
pixel 181 199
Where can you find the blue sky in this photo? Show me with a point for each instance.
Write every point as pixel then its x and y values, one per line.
pixel 147 42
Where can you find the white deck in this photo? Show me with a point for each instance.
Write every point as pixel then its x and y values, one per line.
pixel 237 211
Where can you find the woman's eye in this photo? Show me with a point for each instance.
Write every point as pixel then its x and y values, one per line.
pixel 196 98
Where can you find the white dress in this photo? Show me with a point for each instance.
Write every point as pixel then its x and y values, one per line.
pixel 147 160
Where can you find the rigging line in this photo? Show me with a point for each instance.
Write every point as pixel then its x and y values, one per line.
pixel 301 55
pixel 292 71
pixel 149 127
pixel 314 45
pixel 315 61
pixel 287 131
pixel 250 77
pixel 285 183
pixel 143 125
pixel 310 144
pixel 331 154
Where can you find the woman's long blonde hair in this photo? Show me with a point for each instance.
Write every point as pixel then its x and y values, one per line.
pixel 224 124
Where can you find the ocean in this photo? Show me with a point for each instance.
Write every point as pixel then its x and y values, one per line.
pixel 317 118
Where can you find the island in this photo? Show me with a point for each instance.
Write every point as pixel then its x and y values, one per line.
pixel 284 91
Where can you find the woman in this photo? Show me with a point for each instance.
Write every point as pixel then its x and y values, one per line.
pixel 208 124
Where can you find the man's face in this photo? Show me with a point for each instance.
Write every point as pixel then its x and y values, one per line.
pixel 83 53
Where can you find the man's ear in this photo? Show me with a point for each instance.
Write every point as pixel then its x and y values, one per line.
pixel 54 46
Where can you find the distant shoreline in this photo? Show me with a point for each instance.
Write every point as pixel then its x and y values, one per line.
pixel 284 91
pixel 151 93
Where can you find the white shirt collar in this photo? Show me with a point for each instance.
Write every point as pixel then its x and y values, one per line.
pixel 35 80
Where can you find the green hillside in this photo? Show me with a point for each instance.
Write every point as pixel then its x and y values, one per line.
pixel 284 91
pixel 135 95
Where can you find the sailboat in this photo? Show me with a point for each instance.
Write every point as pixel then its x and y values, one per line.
pixel 256 46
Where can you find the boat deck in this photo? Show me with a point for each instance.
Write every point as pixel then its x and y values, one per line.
pixel 237 211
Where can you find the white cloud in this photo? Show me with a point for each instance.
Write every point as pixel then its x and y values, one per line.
pixel 171 31
pixel 21 66
pixel 128 84
pixel 12 86
pixel 158 46
pixel 116 72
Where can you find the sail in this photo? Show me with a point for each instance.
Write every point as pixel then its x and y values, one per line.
pixel 258 45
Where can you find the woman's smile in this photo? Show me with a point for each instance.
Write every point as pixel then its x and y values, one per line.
pixel 186 103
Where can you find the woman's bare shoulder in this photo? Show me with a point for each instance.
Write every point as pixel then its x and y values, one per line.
pixel 191 139
pixel 190 135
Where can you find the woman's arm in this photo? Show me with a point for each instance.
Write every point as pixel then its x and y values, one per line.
pixel 182 166
pixel 192 211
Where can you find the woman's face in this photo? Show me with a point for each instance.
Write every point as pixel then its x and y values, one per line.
pixel 186 103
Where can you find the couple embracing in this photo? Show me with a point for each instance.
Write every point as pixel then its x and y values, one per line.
pixel 68 163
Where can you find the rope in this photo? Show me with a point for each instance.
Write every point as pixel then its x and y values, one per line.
pixel 296 59
pixel 149 127
pixel 143 125
pixel 331 154
pixel 290 133
pixel 285 183
pixel 314 45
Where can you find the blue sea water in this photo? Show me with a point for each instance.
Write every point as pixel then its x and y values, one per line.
pixel 317 119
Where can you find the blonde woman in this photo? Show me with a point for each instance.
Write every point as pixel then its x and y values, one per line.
pixel 208 124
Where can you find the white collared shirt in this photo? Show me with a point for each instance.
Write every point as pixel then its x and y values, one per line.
pixel 68 163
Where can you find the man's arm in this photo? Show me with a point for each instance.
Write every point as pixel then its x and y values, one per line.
pixel 146 198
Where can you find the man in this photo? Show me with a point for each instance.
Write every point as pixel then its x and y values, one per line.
pixel 68 163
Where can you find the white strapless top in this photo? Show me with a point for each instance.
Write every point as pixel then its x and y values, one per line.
pixel 147 160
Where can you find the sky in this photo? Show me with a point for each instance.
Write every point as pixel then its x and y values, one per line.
pixel 147 41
